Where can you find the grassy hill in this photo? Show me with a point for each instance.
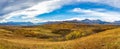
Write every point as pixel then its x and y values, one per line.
pixel 60 36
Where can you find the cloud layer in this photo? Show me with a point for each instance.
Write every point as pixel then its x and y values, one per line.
pixel 13 5
pixel 41 8
pixel 109 16
pixel 27 9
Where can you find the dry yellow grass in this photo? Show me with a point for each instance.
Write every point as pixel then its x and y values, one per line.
pixel 109 39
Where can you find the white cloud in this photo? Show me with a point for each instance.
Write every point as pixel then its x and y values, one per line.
pixel 13 5
pixel 41 8
pixel 78 18
pixel 114 3
pixel 34 20
pixel 51 5
pixel 109 16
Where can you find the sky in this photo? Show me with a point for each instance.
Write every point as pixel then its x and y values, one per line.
pixel 36 11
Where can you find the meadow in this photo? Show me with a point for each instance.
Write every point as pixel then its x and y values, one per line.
pixel 60 36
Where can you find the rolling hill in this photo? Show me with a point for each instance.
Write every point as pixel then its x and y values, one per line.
pixel 60 36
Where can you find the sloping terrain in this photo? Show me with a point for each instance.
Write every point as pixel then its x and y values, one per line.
pixel 60 36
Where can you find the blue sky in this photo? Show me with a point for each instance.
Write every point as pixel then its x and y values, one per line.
pixel 58 10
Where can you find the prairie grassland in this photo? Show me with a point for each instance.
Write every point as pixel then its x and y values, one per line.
pixel 66 36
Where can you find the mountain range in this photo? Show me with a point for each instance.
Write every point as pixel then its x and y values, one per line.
pixel 85 21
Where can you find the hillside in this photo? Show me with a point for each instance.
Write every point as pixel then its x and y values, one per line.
pixel 60 36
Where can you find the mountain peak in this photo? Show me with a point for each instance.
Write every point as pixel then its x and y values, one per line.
pixel 85 21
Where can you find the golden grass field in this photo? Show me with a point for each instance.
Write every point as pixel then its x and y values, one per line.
pixel 60 36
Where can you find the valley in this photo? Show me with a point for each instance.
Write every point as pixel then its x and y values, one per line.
pixel 60 36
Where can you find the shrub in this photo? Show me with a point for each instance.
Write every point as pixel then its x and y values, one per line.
pixel 78 34
pixel 62 32
pixel 73 35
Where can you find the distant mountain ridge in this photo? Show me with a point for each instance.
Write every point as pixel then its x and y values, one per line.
pixel 85 21
pixel 17 23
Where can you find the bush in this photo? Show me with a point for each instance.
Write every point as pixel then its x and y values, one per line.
pixel 78 34
pixel 62 32
pixel 73 35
